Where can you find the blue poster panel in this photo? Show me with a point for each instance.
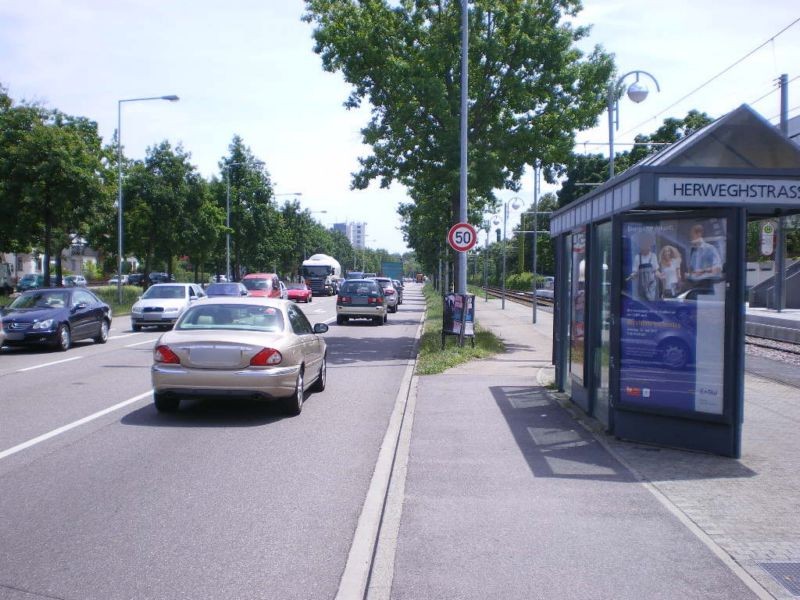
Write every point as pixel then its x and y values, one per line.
pixel 673 314
pixel 577 304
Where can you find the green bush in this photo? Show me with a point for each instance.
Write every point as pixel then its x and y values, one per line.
pixel 108 294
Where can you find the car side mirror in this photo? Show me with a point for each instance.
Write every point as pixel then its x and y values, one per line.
pixel 80 306
pixel 243 293
pixel 320 328
pixel 192 298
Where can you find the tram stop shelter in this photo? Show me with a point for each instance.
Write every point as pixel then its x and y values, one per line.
pixel 649 317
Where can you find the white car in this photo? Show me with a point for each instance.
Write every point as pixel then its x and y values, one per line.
pixel 114 280
pixel 284 291
pixel 163 303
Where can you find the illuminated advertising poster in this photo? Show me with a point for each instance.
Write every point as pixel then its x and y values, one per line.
pixel 673 314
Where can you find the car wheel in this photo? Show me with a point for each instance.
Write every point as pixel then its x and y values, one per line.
pixel 340 320
pixel 63 338
pixel 377 321
pixel 675 354
pixel 136 327
pixel 385 318
pixel 311 298
pixel 165 403
pixel 319 384
pixel 293 405
pixel 102 337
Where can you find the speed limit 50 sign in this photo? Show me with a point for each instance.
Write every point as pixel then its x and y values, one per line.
pixel 462 237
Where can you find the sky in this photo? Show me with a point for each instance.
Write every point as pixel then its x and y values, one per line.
pixel 247 67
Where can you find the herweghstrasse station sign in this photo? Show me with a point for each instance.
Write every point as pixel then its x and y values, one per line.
pixel 709 190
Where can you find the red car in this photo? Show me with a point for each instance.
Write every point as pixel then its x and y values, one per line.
pixel 299 292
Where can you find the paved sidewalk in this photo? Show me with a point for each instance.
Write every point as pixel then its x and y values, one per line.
pixel 508 496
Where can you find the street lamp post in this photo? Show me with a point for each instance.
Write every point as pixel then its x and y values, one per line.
pixel 637 92
pixel 120 233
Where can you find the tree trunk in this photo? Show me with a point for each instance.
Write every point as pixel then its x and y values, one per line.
pixel 48 233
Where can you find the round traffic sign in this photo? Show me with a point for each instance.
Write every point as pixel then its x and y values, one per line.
pixel 462 237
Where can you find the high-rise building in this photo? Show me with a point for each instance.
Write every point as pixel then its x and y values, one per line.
pixel 355 232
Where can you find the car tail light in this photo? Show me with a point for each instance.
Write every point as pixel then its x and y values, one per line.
pixel 164 354
pixel 388 292
pixel 374 300
pixel 266 357
pixel 345 300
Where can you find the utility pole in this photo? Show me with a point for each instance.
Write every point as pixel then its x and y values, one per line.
pixel 780 251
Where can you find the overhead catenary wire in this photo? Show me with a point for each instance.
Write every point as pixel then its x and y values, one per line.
pixel 715 77
pixel 774 89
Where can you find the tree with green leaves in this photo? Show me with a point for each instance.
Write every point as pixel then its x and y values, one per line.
pixel 256 228
pixel 530 89
pixel 157 194
pixel 52 178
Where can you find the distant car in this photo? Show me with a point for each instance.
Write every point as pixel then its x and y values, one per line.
pixel 2 332
pixel 30 281
pixel 163 303
pixel 299 292
pixel 218 279
pixel 354 275
pixel 56 317
pixel 115 279
pixel 262 285
pixel 136 279
pixel 369 275
pixel 389 291
pixel 226 289
pixel 160 277
pixel 361 299
pixel 398 285
pixel 74 281
pixel 240 347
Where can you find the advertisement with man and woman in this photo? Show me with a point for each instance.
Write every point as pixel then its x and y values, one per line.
pixel 673 314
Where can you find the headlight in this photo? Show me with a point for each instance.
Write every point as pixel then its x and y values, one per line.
pixel 136 309
pixel 46 324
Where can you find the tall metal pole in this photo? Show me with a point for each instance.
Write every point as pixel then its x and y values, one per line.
pixel 120 232
pixel 780 251
pixel 503 283
pixel 119 202
pixel 486 267
pixel 611 103
pixel 535 235
pixel 228 224
pixel 461 277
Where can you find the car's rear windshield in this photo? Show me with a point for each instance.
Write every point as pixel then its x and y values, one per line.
pixel 256 284
pixel 165 292
pixel 223 289
pixel 359 288
pixel 295 286
pixel 244 317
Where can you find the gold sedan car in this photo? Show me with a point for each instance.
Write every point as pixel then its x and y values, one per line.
pixel 240 347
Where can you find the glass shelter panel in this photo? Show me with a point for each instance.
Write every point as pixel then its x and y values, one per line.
pixel 603 339
pixel 578 304
pixel 672 314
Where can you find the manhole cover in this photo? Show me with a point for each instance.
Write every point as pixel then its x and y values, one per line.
pixel 787 574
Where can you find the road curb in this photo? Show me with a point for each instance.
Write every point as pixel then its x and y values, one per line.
pixel 386 479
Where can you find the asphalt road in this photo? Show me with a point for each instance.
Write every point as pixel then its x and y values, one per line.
pixel 221 500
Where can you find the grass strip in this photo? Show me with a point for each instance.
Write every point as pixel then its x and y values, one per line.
pixel 432 359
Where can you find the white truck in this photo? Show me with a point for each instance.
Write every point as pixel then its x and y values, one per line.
pixel 322 274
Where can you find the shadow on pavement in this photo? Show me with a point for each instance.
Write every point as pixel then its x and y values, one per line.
pixel 223 412
pixel 555 445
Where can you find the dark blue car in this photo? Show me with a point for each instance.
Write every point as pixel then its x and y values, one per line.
pixel 56 317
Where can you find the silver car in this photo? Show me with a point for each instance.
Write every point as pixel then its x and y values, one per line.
pixel 389 291
pixel 248 347
pixel 163 303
